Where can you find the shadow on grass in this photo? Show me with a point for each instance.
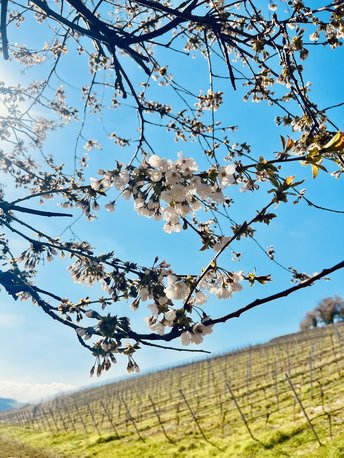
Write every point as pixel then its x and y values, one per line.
pixel 104 440
pixel 280 437
pixel 208 441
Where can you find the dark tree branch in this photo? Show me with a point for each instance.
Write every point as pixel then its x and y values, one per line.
pixel 3 29
pixel 276 296
pixel 9 207
pixel 164 347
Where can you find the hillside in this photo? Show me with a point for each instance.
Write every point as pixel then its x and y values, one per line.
pixel 283 398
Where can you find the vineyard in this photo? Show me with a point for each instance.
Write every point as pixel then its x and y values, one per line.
pixel 261 401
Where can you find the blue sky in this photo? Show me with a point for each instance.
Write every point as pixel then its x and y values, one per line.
pixel 39 357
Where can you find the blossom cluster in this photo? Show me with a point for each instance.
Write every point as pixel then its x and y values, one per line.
pixel 169 190
pixel 163 288
pixel 164 314
pixel 166 189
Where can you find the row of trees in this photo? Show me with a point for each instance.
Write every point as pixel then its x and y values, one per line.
pixel 329 311
pixel 118 57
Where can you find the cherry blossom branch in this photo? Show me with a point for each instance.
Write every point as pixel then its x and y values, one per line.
pixel 273 297
pixel 210 265
pixel 61 247
pixel 150 344
pixel 51 191
pixel 319 207
pixel 5 206
pixel 14 286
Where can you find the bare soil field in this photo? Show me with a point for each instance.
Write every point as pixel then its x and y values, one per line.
pixel 10 448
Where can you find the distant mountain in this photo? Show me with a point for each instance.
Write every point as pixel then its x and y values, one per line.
pixel 6 403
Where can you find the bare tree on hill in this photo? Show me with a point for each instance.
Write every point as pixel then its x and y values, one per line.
pixel 329 311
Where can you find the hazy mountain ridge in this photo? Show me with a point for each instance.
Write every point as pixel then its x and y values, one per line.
pixel 7 403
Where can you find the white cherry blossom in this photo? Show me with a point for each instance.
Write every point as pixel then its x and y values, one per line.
pixel 226 175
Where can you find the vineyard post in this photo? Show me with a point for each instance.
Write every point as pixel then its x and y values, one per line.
pixel 303 409
pixel 93 419
pixel 329 418
pixel 223 421
pixel 23 419
pixel 46 418
pixel 177 416
pixel 109 418
pixel 335 353
pixel 208 375
pixel 288 359
pixel 311 372
pixel 8 417
pixel 219 401
pixel 139 407
pixel 65 408
pixel 111 404
pixel 240 411
pixel 61 416
pixel 267 419
pixel 41 420
pixel 35 419
pixel 159 419
pixel 315 361
pixel 81 417
pixel 11 419
pixel 198 376
pixel 322 396
pixel 318 353
pixel 53 418
pixel 214 380
pixel 194 387
pixel 267 360
pixel 18 419
pixel 294 408
pixel 339 337
pixel 276 384
pixel 119 407
pixel 132 419
pixel 248 370
pixel 198 404
pixel 28 420
pixel 170 375
pixel 193 415
pixel 100 416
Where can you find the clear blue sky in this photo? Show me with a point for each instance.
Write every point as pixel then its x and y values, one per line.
pixel 39 357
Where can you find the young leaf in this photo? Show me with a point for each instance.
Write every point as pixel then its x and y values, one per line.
pixel 335 144
pixel 315 170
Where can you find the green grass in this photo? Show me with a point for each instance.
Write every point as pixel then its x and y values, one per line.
pixel 293 442
pixel 315 364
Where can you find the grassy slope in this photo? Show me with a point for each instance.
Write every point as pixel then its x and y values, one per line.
pixel 292 442
pixel 314 362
